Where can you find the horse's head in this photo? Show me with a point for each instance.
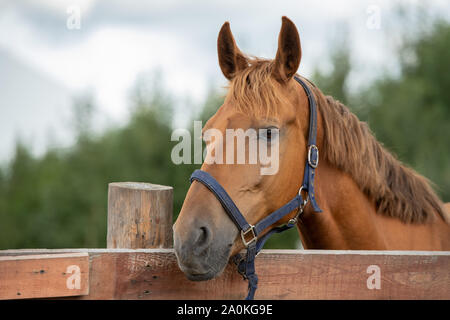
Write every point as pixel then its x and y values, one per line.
pixel 262 95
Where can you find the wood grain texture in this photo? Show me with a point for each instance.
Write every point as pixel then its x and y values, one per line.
pixel 44 275
pixel 283 274
pixel 139 215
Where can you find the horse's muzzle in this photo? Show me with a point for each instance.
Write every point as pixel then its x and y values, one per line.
pixel 201 254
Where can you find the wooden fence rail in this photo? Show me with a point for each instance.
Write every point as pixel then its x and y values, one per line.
pixel 283 274
pixel 141 215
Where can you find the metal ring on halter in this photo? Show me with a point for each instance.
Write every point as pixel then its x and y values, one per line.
pixel 305 201
pixel 300 208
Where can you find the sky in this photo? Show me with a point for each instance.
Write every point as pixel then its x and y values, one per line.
pixel 53 51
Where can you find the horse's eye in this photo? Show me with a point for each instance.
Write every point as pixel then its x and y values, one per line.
pixel 268 134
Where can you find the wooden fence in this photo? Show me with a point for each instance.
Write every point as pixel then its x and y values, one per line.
pixel 140 216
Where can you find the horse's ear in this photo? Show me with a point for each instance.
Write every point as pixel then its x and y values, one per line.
pixel 231 58
pixel 289 52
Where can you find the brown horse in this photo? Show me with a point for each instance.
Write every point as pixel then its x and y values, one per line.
pixel 370 201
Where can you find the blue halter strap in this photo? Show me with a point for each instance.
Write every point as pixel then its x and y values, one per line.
pixel 251 235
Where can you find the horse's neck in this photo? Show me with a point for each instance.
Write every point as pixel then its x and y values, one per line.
pixel 349 220
pixel 346 221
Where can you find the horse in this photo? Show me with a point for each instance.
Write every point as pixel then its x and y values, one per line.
pixel 368 199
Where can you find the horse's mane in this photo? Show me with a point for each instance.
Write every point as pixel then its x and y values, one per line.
pixel 396 190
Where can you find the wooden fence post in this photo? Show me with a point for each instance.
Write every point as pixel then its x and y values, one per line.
pixel 139 215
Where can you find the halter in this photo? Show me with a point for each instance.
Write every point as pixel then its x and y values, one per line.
pixel 250 233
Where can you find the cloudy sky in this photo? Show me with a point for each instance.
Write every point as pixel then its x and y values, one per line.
pixel 46 59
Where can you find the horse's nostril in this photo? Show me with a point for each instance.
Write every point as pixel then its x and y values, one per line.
pixel 204 235
pixel 203 239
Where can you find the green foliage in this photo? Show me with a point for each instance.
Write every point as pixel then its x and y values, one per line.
pixel 60 199
pixel 410 113
pixel 213 101
pixel 335 83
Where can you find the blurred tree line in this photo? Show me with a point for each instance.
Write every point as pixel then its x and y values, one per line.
pixel 60 199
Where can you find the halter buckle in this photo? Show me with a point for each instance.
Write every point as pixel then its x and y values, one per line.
pixel 313 161
pixel 244 234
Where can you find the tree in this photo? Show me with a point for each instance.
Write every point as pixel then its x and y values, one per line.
pixel 410 113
